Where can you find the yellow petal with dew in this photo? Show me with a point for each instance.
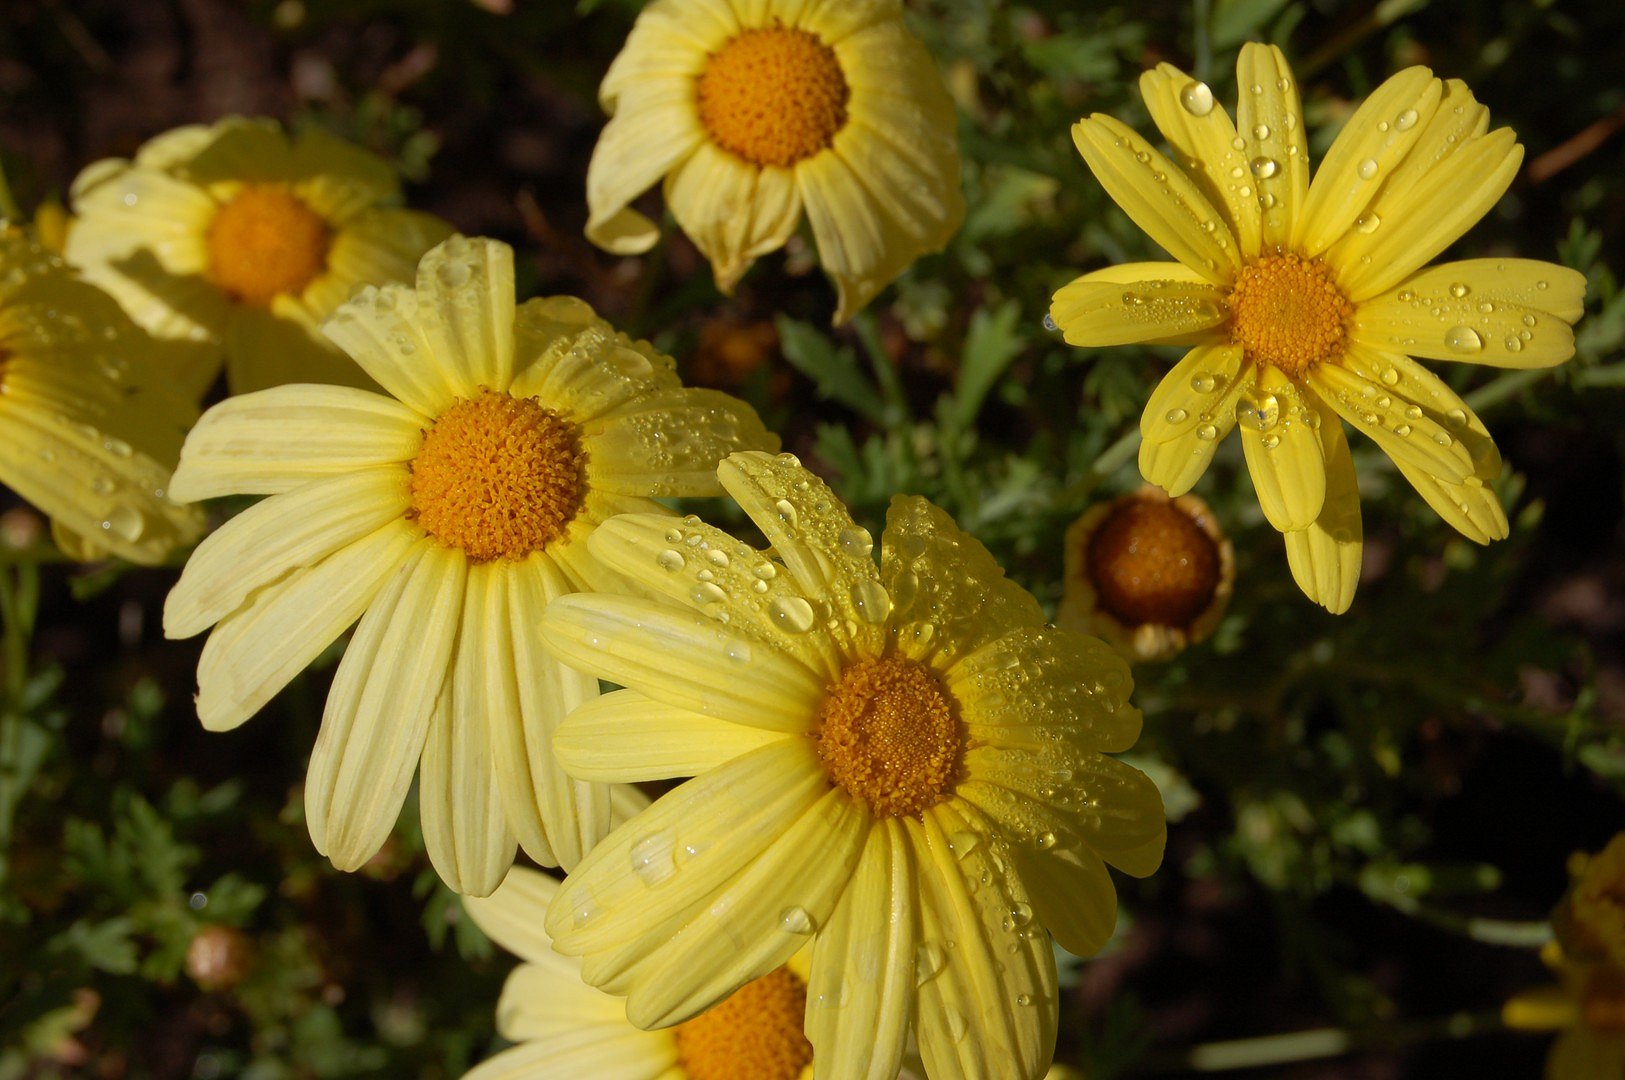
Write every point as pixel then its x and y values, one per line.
pixel 1325 557
pixel 1405 432
pixel 1269 121
pixel 1203 138
pixel 629 737
pixel 1279 437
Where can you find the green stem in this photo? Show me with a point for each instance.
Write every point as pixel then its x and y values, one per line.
pixel 891 383
pixel 1321 1043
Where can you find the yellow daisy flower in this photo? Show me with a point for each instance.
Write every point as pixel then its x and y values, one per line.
pixel 444 516
pixel 1304 303
pixel 238 240
pixel 1587 1009
pixel 1591 919
pixel 565 1029
pixel 902 764
pixel 753 112
pixel 1148 573
pixel 87 432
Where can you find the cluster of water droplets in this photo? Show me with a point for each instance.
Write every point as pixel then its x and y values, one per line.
pixel 1170 303
pixel 1471 323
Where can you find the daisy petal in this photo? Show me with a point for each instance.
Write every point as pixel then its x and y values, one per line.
pixel 1285 460
pixel 1016 785
pixel 824 550
pixel 674 656
pixel 1471 508
pixel 667 445
pixel 628 737
pixel 1374 140
pixel 598 1050
pixel 1419 387
pixel 861 990
pixel 465 312
pixel 465 827
pixel 575 361
pixel 1404 431
pixel 1096 311
pixel 256 650
pixel 1200 132
pixel 1036 683
pixel 989 1008
pixel 641 547
pixel 511 917
pixel 733 211
pixel 1177 464
pixel 379 328
pixel 1158 195
pixel 1325 557
pixel 1269 118
pixel 948 595
pixel 834 20
pixel 377 714
pixel 1072 895
pixel 271 538
pixel 1201 389
pixel 339 179
pixel 264 349
pixel 377 245
pixel 1502 312
pixel 756 921
pixel 1442 204
pixel 557 817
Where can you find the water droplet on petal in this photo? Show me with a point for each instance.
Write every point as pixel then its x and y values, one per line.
pixel 1197 98
pixel 791 613
pixel 670 560
pixel 1463 339
pixel 1366 169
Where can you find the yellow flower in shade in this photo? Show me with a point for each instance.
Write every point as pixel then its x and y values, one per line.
pixel 1587 1009
pixel 88 432
pixel 565 1029
pixel 1304 303
pixel 754 112
pixel 1590 922
pixel 902 764
pixel 444 516
pixel 1148 573
pixel 238 240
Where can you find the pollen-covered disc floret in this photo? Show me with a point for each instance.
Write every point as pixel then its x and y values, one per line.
pixel 266 242
pixel 498 477
pixel 1153 564
pixel 887 733
pixel 773 96
pixel 757 1034
pixel 1287 311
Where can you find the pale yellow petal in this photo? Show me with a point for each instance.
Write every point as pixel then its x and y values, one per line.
pixel 834 20
pixel 827 555
pixel 1325 557
pixel 988 1006
pixel 655 129
pixel 1204 139
pixel 1099 310
pixel 256 650
pixel 465 827
pixel 378 710
pixel 1379 135
pixel 338 179
pixel 265 350
pixel 1269 120
pixel 1420 389
pixel 465 312
pixel 861 993
pixel 575 361
pixel 668 445
pixel 733 211
pixel 682 659
pixel 1501 312
pixel 134 209
pixel 1432 214
pixel 379 329
pixel 1202 389
pixel 512 916
pixel 1284 452
pixel 1158 195
pixel 240 149
pixel 377 246
pixel 670 37
pixel 629 737
pixel 1405 432
pixel 557 817
pixel 1471 507
pixel 599 1050
pixel 701 567
pixel 1038 684
pixel 1072 895
pixel 1176 465
pixel 280 534
pixel 276 440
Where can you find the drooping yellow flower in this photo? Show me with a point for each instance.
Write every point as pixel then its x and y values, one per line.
pixel 1304 303
pixel 443 516
pixel 902 763
pixel 88 432
pixel 1590 922
pixel 1587 1009
pixel 754 112
pixel 565 1029
pixel 1148 573
pixel 238 240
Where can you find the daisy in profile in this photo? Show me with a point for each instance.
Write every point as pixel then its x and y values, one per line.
pixel 902 765
pixel 238 240
pixel 444 515
pixel 88 434
pixel 1305 303
pixel 1148 573
pixel 753 113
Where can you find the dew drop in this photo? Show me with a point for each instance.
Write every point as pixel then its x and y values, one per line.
pixel 855 542
pixel 1366 169
pixel 1264 167
pixel 1261 413
pixel 1463 339
pixel 787 512
pixel 1203 383
pixel 1406 120
pixel 1261 132
pixel 870 599
pixel 653 858
pixel 1459 290
pixel 792 613
pixel 1049 323
pixel 796 920
pixel 1367 223
pixel 670 560
pixel 1177 416
pixel 1197 99
pixel 1207 432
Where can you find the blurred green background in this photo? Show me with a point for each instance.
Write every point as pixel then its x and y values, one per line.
pixel 1370 814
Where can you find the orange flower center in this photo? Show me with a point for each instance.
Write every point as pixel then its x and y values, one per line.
pixel 498 477
pixel 1287 311
pixel 887 733
pixel 1153 564
pixel 266 242
pixel 757 1034
pixel 773 96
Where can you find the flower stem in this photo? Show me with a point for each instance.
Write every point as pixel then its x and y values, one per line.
pixel 1318 1043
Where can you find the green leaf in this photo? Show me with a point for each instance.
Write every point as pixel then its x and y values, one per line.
pixel 104 945
pixel 991 343
pixel 835 372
